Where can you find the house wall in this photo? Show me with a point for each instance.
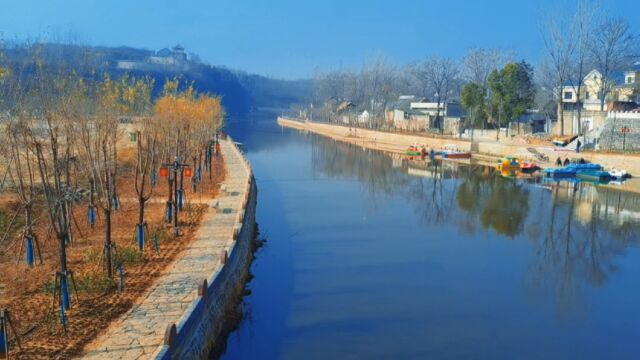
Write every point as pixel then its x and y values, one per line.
pixel 571 127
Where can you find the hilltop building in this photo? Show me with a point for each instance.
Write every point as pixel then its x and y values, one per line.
pixel 173 59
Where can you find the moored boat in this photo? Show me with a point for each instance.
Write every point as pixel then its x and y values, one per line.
pixel 560 172
pixel 509 163
pixel 413 151
pixel 452 154
pixel 584 167
pixel 529 166
pixel 596 175
pixel 618 174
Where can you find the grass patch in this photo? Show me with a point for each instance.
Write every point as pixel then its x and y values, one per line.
pixel 90 283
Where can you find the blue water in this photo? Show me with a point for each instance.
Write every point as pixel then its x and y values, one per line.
pixel 364 260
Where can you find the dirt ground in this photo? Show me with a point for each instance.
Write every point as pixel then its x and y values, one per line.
pixel 27 292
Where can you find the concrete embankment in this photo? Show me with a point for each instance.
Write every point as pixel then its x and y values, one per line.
pixel 182 315
pixel 398 143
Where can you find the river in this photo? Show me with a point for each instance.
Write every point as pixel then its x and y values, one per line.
pixel 371 257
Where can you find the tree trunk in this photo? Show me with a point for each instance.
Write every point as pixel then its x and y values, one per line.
pixel 107 243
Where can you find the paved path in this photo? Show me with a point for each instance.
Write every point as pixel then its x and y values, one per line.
pixel 139 332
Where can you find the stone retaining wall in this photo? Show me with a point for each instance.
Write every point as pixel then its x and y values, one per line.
pixel 201 324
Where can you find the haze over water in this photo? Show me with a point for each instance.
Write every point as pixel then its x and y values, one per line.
pixel 373 257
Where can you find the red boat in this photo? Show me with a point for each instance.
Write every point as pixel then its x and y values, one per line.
pixel 447 154
pixel 528 166
pixel 450 152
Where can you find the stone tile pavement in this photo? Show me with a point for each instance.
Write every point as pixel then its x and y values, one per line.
pixel 139 332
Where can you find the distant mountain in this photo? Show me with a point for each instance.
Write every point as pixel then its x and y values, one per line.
pixel 241 92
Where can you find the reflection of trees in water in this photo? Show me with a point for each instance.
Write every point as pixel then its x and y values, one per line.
pixel 572 254
pixel 576 231
pixel 501 204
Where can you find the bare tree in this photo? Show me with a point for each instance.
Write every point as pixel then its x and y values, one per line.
pixel 479 63
pixel 581 34
pixel 611 49
pixel 561 48
pixel 440 74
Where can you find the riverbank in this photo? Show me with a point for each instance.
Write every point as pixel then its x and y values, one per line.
pixel 27 292
pixel 181 315
pixel 483 150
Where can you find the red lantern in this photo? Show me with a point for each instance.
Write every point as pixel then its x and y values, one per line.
pixel 187 172
pixel 164 172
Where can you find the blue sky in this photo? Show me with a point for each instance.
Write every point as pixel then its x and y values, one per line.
pixel 292 38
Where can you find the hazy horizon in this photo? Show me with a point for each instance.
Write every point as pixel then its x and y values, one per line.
pixel 290 40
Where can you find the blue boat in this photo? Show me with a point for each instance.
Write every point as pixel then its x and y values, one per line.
pixel 584 167
pixel 571 170
pixel 597 176
pixel 560 172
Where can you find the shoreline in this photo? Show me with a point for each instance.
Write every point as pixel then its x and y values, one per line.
pixel 397 143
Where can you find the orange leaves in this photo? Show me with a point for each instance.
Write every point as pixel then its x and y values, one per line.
pixel 187 107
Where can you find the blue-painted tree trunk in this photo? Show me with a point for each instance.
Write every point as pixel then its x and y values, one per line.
pixel 115 203
pixel 3 340
pixel 30 256
pixel 140 236
pixel 180 199
pixel 121 271
pixel 64 292
pixel 169 213
pixel 154 177
pixel 63 317
pixel 92 215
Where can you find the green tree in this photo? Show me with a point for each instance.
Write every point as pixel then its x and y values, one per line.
pixel 513 91
pixel 472 99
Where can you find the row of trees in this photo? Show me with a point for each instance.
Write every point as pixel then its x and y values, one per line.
pixel 493 88
pixel 439 79
pixel 588 39
pixel 64 133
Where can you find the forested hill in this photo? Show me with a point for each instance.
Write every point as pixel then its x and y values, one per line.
pixel 241 92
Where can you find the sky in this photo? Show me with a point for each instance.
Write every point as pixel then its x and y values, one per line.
pixel 291 39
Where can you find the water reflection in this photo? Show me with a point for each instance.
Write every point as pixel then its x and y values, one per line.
pixel 577 230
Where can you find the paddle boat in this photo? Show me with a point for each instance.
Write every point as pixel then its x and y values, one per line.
pixel 595 176
pixel 584 167
pixel 619 174
pixel 509 163
pixel 413 151
pixel 564 172
pixel 528 166
pixel 450 151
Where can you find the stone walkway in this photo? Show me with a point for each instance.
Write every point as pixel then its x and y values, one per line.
pixel 139 332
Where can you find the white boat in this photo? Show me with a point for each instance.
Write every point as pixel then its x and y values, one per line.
pixel 618 174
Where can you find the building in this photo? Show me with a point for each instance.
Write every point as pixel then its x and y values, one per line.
pixel 625 86
pixel 624 94
pixel 411 113
pixel 174 59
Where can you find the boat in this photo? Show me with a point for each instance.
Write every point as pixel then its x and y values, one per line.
pixel 597 176
pixel 451 152
pixel 509 163
pixel 618 174
pixel 528 166
pixel 563 172
pixel 584 167
pixel 563 140
pixel 413 151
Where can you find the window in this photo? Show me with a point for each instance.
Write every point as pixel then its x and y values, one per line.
pixel 587 95
pixel 630 80
pixel 568 95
